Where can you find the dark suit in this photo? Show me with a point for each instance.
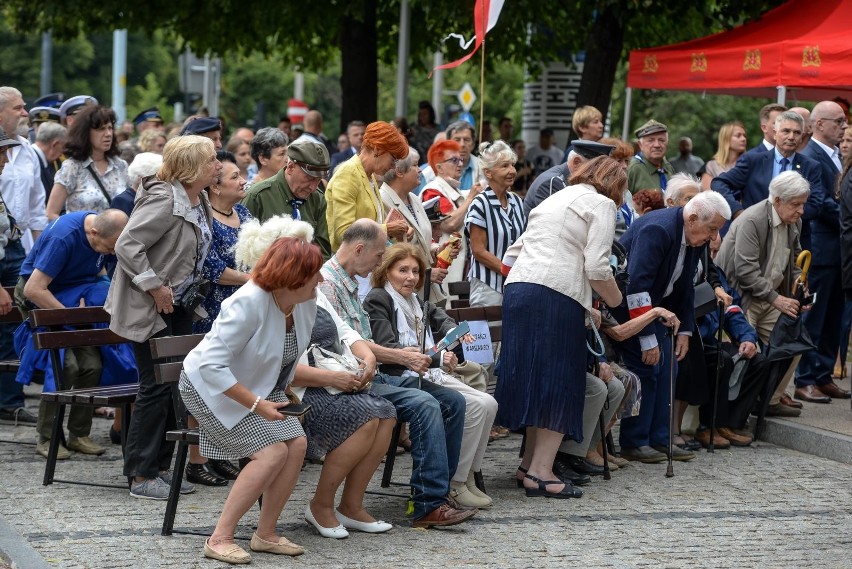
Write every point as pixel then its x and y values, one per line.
pixel 48 171
pixel 339 158
pixel 653 243
pixel 823 321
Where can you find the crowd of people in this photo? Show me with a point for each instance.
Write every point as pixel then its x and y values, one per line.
pixel 318 273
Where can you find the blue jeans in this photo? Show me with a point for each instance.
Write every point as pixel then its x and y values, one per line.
pixel 435 417
pixel 11 392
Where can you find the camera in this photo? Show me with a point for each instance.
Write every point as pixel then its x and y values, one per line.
pixel 195 295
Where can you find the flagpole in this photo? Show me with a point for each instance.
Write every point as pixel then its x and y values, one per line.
pixel 482 74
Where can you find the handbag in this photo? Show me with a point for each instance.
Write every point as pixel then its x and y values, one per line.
pixel 346 362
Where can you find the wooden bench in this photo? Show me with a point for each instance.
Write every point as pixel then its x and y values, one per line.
pixel 57 338
pixel 168 353
pixel 15 317
pixel 461 289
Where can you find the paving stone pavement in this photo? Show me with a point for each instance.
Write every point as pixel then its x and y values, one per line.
pixel 763 506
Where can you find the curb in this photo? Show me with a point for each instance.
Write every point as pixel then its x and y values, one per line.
pixel 808 440
pixel 15 550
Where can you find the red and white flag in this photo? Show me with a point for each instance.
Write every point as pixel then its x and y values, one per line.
pixel 485 14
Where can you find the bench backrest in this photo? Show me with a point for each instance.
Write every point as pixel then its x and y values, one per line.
pixel 461 289
pixel 14 316
pixel 174 349
pixel 57 318
pixel 491 314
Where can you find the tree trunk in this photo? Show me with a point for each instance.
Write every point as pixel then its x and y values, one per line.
pixel 603 52
pixel 359 58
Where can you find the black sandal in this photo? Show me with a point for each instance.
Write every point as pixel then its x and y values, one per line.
pixel 204 474
pixel 567 492
pixel 519 481
pixel 225 469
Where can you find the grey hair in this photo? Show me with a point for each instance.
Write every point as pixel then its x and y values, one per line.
pixel 706 205
pixel 678 183
pixel 255 238
pixel 50 131
pixel 363 231
pixel 265 141
pixel 110 222
pixel 460 125
pixel 788 186
pixel 402 166
pixel 6 96
pixel 790 116
pixel 492 153
pixel 144 164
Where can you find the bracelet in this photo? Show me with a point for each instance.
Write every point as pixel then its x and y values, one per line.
pixel 256 401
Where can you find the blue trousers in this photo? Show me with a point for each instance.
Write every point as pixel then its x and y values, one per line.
pixel 435 417
pixel 651 426
pixel 11 392
pixel 823 323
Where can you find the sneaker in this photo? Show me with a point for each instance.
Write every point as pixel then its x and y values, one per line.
pixel 85 445
pixel 185 487
pixel 153 489
pixel 44 446
pixel 19 416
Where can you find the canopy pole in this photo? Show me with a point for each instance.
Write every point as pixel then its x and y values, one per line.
pixel 782 94
pixel 625 136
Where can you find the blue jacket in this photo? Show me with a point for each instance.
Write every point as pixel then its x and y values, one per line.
pixel 825 226
pixel 653 243
pixel 736 324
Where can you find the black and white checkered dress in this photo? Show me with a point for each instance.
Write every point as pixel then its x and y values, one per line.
pixel 253 432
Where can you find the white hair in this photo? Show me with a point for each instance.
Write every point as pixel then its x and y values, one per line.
pixel 402 166
pixel 144 164
pixel 255 238
pixel 706 205
pixel 492 153
pixel 788 186
pixel 678 183
pixel 50 131
pixel 789 116
pixel 6 96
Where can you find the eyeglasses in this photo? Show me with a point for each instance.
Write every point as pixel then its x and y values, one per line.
pixel 457 160
pixel 839 121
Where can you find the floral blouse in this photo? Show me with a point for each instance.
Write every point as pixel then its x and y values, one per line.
pixel 84 194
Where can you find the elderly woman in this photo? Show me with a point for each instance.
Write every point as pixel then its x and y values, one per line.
pixel 269 152
pixel 145 164
pixel 92 174
pixel 353 191
pixel 157 290
pixel 398 319
pixel 152 140
pixel 542 389
pixel 732 144
pixel 234 384
pixel 493 222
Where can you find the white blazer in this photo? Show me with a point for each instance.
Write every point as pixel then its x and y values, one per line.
pixel 245 345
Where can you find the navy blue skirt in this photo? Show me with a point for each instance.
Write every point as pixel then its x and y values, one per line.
pixel 543 358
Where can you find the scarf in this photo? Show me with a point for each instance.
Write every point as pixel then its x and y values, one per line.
pixel 409 325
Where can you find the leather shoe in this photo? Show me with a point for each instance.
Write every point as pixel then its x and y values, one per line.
pixel 790 402
pixel 719 442
pixel 781 410
pixel 643 454
pixel 85 445
pixel 445 515
pixel 834 390
pixel 677 452
pixel 204 474
pixel 234 554
pixel 283 547
pixel 736 439
pixel 812 394
pixel 566 473
pixel 225 469
pixel 583 466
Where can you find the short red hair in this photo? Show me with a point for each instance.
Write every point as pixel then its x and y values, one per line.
pixel 437 150
pixel 384 137
pixel 288 263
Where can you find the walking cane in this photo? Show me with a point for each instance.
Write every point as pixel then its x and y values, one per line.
pixel 606 473
pixel 721 306
pixel 670 467
pixel 427 288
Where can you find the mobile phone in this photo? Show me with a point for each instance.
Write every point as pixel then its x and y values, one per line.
pixel 295 409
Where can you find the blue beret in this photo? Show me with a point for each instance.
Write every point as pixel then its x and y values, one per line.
pixel 201 125
pixel 152 114
pixel 73 105
pixel 44 114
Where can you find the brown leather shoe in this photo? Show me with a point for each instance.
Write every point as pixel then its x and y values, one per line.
pixel 737 440
pixel 779 410
pixel 445 515
pixel 834 390
pixel 719 441
pixel 789 402
pixel 812 394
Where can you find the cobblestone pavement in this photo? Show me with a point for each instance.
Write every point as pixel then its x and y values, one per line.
pixel 763 506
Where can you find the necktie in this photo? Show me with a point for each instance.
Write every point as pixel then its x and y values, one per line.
pixel 784 163
pixel 295 203
pixel 662 174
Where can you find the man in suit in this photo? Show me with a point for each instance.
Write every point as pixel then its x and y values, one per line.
pixel 767 115
pixel 355 134
pixel 49 146
pixel 747 183
pixel 663 248
pixel 823 321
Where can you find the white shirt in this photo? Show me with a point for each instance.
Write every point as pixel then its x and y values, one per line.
pixel 22 190
pixel 833 153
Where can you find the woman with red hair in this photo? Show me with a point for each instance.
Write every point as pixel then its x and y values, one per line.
pixel 353 191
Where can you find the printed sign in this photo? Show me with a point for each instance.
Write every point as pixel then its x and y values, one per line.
pixel 480 350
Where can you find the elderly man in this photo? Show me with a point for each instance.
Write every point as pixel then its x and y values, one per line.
pixel 806 117
pixel 435 414
pixel 746 183
pixel 49 146
pixel 556 178
pixel 686 161
pixel 823 321
pixel 758 256
pixel 664 247
pixel 292 191
pixel 64 267
pixel 354 134
pixel 768 114
pixel 649 170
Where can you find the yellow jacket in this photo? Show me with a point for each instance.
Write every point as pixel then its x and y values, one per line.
pixel 349 196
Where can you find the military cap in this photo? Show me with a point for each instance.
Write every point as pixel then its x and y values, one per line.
pixel 53 100
pixel 152 114
pixel 201 125
pixel 588 149
pixel 433 210
pixel 311 155
pixel 650 127
pixel 43 114
pixel 75 104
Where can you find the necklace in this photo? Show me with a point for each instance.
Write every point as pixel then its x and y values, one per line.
pixel 286 314
pixel 229 214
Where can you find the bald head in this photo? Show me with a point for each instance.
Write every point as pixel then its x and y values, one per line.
pixel 313 122
pixel 103 229
pixel 828 121
pixel 245 134
pixel 362 247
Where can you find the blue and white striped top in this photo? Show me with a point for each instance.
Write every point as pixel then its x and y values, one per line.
pixel 502 226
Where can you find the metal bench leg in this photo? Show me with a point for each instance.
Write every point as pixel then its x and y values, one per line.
pixel 174 491
pixel 56 438
pixel 391 456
